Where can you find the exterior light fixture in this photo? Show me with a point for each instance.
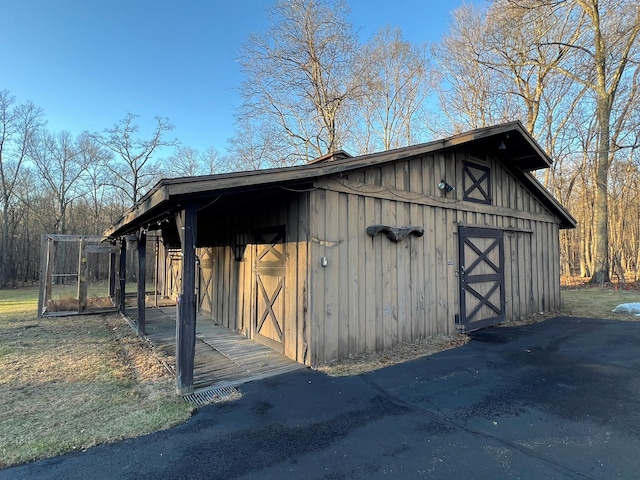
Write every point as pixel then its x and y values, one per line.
pixel 502 146
pixel 445 186
pixel 240 246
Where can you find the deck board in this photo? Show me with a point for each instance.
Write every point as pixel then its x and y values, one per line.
pixel 223 357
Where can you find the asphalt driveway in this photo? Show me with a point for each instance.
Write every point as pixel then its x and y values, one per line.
pixel 558 399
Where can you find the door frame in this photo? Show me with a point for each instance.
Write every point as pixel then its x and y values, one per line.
pixel 467 277
pixel 258 288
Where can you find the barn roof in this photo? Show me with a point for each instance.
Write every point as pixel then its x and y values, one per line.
pixel 510 142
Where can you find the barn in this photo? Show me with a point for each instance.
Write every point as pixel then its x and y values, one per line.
pixel 347 255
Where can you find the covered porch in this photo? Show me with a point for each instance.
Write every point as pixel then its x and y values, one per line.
pixel 223 357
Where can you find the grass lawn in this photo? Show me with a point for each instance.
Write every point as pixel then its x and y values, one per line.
pixel 68 383
pixel 598 302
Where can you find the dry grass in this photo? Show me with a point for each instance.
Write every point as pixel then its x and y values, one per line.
pixel 69 383
pixel 589 301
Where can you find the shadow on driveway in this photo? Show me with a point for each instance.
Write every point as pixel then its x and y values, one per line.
pixel 558 399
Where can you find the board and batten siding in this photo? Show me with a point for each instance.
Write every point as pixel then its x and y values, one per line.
pixel 370 294
pixel 227 287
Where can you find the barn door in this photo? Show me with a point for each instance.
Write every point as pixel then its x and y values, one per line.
pixel 269 269
pixel 481 277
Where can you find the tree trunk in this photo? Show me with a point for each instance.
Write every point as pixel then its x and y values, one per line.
pixel 4 247
pixel 601 206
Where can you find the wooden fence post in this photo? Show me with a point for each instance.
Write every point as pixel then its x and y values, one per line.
pixel 83 273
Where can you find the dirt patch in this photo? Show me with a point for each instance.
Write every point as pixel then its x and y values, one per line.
pixel 392 356
pixel 410 351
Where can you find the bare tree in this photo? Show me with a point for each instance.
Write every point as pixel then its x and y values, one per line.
pixel 257 145
pixel 96 180
pixel 299 75
pixel 397 78
pixel 471 93
pixel 553 64
pixel 190 162
pixel 603 48
pixel 61 165
pixel 18 125
pixel 133 168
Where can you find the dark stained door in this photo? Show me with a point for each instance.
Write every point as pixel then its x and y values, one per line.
pixel 481 277
pixel 269 272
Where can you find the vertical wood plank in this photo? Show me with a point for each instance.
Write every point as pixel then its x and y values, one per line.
pixel 371 301
pixel 318 277
pixel 452 266
pixel 291 279
pixel 241 293
pixel 522 292
pixel 250 289
pixel 303 275
pixel 508 285
pixel 346 330
pixel 389 279
pixel 555 281
pixel 403 276
pixel 354 259
pixel 416 284
pixel 332 277
pixel 537 272
pixel 440 269
pixel 548 259
pixel 379 276
pixel 429 268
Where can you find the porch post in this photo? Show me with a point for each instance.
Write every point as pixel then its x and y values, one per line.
pixel 186 322
pixel 122 273
pixel 142 280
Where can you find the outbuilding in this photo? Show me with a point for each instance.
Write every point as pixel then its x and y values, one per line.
pixel 347 255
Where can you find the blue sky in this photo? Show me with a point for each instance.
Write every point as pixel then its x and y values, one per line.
pixel 87 63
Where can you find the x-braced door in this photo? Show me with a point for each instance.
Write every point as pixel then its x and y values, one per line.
pixel 269 272
pixel 481 277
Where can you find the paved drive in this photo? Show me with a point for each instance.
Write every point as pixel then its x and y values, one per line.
pixel 556 400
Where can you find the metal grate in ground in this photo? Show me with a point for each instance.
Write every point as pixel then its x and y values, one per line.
pixel 208 396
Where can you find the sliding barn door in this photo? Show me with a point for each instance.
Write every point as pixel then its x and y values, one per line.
pixel 481 277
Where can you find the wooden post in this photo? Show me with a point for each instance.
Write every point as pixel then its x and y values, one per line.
pixel 83 271
pixel 122 274
pixel 186 308
pixel 112 275
pixel 142 281
pixel 155 273
pixel 44 285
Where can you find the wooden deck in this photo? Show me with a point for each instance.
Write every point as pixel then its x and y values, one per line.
pixel 223 357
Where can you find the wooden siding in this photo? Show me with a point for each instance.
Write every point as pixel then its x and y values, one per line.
pixel 374 293
pixel 227 286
